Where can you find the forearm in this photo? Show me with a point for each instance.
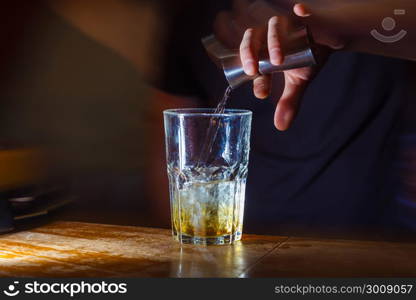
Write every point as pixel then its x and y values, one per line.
pixel 354 20
pixel 384 27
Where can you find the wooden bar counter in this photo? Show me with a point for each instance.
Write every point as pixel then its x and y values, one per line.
pixel 74 249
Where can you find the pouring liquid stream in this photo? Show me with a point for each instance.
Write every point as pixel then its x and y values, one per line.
pixel 213 129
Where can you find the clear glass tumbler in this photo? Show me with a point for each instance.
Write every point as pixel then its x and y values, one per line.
pixel 207 160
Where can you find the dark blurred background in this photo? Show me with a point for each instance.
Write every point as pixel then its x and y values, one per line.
pixel 81 128
pixel 76 114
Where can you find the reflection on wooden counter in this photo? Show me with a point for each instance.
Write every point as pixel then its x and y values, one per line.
pixel 73 249
pixel 70 249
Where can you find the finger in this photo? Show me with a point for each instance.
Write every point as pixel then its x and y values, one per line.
pixel 301 10
pixel 262 86
pixel 288 104
pixel 277 29
pixel 249 48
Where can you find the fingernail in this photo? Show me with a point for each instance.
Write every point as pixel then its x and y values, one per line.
pixel 250 68
pixel 287 117
pixel 260 92
pixel 275 57
pixel 301 10
pixel 285 120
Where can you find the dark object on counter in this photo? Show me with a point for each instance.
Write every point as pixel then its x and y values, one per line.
pixel 29 202
pixel 6 218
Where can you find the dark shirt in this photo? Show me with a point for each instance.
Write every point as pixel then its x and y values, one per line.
pixel 333 168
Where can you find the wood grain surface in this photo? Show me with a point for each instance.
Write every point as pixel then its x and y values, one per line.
pixel 303 257
pixel 74 249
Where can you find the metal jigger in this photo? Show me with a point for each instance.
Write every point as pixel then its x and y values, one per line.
pixel 299 54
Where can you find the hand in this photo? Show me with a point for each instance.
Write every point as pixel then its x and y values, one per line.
pixel 247 23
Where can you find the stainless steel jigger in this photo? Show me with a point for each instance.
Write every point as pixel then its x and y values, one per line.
pixel 298 50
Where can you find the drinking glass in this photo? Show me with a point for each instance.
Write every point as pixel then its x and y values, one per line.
pixel 207 160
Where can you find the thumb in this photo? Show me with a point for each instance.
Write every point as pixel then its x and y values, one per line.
pixel 301 10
